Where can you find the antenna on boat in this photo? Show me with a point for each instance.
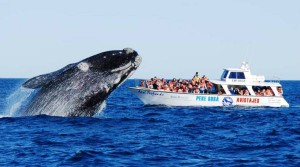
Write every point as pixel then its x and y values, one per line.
pixel 245 66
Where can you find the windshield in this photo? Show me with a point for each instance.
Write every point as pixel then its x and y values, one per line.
pixel 224 75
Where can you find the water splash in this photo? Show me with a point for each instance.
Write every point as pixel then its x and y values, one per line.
pixel 16 101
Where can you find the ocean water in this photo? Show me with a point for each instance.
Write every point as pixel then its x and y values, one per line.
pixel 127 133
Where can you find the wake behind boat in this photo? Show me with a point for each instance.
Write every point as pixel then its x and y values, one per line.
pixel 236 87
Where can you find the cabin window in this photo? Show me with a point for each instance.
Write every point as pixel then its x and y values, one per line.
pixel 238 90
pixel 224 75
pixel 232 75
pixel 263 91
pixel 240 75
pixel 237 75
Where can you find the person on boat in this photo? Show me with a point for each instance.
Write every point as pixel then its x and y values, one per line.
pixel 258 93
pixel 149 85
pixel 231 90
pixel 196 77
pixel 174 81
pixel 204 78
pixel 166 88
pixel 280 91
pixel 196 91
pixel 209 86
pixel 142 83
pixel 163 81
pixel 263 92
pixel 154 85
pixel 246 92
pixel 268 92
pixel 185 89
pixel 157 83
pixel 193 82
pixel 202 86
pixel 236 91
pixel 159 87
pixel 180 90
pixel 170 84
pixel 190 87
pixel 175 89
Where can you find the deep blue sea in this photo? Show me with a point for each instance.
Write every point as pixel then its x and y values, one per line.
pixel 127 133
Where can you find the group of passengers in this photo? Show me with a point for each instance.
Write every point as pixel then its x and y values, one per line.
pixel 200 85
pixel 265 91
pixel 196 85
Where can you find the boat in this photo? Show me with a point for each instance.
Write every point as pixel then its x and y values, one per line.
pixel 224 92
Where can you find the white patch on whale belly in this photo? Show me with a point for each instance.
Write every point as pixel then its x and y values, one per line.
pixel 83 66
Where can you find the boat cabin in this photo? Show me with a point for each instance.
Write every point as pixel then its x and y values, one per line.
pixel 233 80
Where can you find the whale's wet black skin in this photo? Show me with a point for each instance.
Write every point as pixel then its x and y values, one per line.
pixel 80 89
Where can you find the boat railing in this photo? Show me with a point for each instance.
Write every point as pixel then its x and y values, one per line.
pixel 275 79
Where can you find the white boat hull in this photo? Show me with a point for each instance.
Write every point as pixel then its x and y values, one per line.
pixel 155 97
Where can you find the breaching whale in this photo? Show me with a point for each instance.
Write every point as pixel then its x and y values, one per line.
pixel 80 89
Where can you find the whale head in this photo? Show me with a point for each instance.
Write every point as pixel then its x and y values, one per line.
pixel 80 89
pixel 114 66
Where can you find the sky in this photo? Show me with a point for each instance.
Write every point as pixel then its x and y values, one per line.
pixel 176 38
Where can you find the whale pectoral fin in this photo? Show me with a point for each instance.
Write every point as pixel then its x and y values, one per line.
pixel 41 80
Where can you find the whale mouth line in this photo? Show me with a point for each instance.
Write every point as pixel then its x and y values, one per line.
pixel 133 64
pixel 125 67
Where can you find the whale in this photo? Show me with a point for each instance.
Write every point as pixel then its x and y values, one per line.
pixel 80 89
